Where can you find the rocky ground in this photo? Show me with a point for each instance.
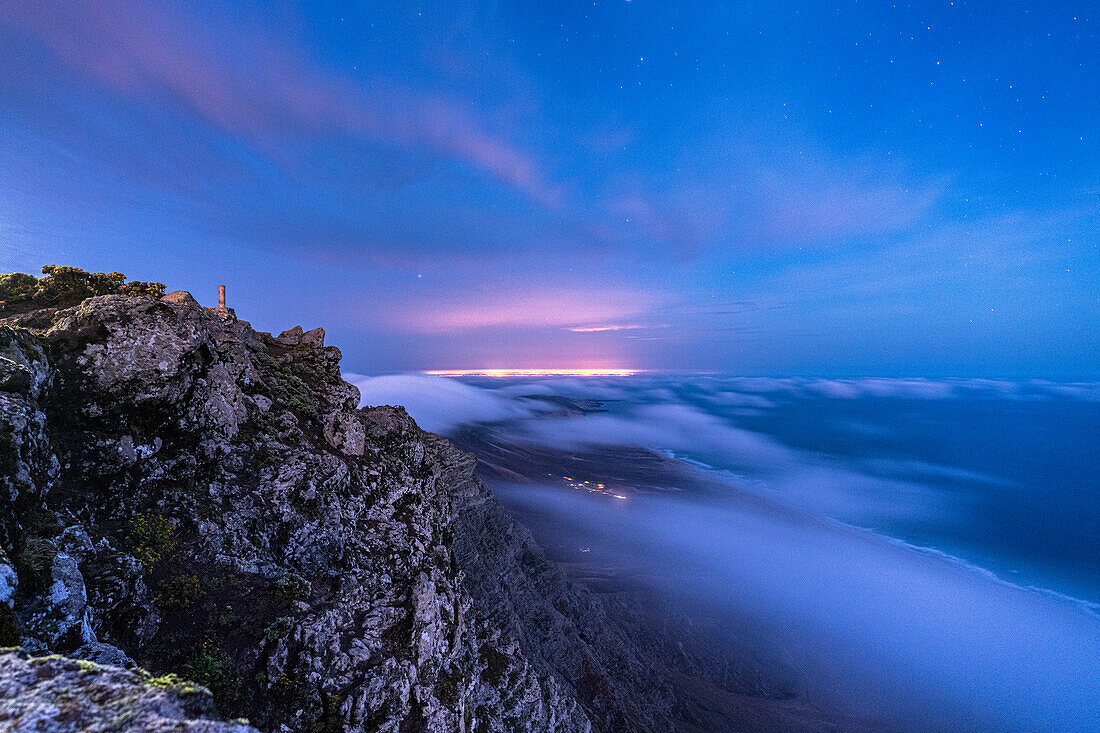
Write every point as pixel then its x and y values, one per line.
pixel 185 495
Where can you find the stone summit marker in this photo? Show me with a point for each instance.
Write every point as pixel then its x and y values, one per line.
pixel 223 311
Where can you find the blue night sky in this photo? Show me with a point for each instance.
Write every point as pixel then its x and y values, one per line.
pixel 851 188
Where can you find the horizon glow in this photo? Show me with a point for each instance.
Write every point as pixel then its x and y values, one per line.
pixel 565 372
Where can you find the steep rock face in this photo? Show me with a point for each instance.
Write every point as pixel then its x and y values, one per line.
pixel 208 500
pixel 560 626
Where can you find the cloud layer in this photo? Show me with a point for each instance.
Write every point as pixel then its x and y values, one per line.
pixel 913 637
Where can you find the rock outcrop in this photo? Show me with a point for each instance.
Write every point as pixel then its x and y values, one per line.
pixel 58 695
pixel 184 493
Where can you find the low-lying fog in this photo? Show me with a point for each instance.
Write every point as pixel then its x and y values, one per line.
pixel 979 634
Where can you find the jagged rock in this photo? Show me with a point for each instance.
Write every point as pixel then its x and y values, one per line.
pixel 9 581
pixel 65 616
pixel 296 336
pixel 23 365
pixel 226 314
pixel 314 337
pixel 27 463
pixel 54 694
pixel 291 336
pixel 14 377
pixel 345 435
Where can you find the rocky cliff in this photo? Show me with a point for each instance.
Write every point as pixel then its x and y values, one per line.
pixel 185 494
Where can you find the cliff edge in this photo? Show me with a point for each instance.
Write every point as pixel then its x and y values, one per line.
pixel 187 495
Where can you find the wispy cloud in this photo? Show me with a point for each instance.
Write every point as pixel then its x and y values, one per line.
pixel 329 152
pixel 979 260
pixel 258 86
pixel 553 307
pixel 610 327
pixel 794 206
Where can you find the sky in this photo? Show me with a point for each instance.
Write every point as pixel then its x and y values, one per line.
pixel 773 188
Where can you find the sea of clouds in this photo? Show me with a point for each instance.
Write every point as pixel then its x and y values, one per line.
pixel 914 640
pixel 696 418
pixel 913 636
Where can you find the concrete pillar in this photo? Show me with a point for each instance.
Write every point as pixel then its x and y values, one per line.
pixel 221 296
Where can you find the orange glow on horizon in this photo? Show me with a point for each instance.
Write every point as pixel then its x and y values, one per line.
pixel 600 372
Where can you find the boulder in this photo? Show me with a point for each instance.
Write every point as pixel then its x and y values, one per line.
pixel 291 336
pixel 180 297
pixel 296 336
pixel 104 654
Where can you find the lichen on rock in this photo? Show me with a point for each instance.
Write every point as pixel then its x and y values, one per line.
pixel 54 695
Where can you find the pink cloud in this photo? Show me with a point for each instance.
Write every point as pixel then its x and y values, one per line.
pixel 610 327
pixel 258 88
pixel 546 309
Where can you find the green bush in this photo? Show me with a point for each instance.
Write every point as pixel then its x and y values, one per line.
pixel 449 687
pixel 292 587
pixel 10 632
pixel 180 591
pixel 64 286
pixel 151 537
pixel 496 664
pixel 205 664
pixel 280 628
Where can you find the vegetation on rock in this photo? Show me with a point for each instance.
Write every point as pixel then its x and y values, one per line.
pixel 62 287
pixel 180 591
pixel 152 538
pixel 53 694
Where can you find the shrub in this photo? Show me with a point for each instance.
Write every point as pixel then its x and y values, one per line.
pixel 205 664
pixel 10 632
pixel 17 287
pixel 64 286
pixel 449 687
pixel 496 664
pixel 35 555
pixel 151 537
pixel 292 587
pixel 180 591
pixel 280 628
